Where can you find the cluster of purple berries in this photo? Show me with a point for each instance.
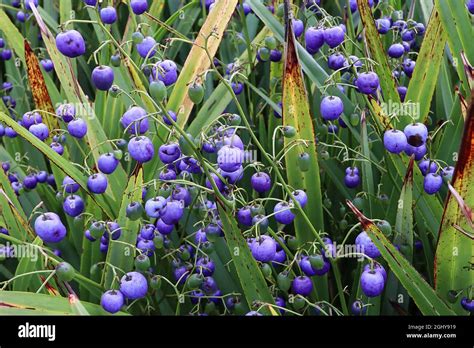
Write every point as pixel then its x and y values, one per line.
pixel 412 140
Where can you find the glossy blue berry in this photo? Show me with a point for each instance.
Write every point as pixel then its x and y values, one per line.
pixel 112 301
pixel 97 183
pixel 133 285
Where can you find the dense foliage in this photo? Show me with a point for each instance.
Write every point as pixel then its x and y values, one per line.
pixel 242 157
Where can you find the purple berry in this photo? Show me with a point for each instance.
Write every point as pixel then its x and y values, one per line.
pixel 40 130
pixel 31 118
pixel 466 303
pixel 69 185
pixel 71 43
pixel 30 181
pixel 49 228
pixel 367 82
pixel 275 56
pixel 283 213
pixel 408 66
pixel 261 182
pixel 383 25
pixel 378 268
pixel 108 15
pixel 372 283
pixel 334 36
pixel 314 38
pixel 97 183
pixel 112 300
pixel 163 228
pixel 135 120
pixel 107 163
pixel 73 205
pixel 394 141
pixel 147 47
pixel 396 50
pixel 331 108
pixel 169 153
pixel 47 65
pixel 366 245
pixel 432 183
pixel 337 61
pixel 352 180
pixel 302 285
pixel 66 111
pixel 263 249
pixel 139 6
pixel 416 134
pixel 103 77
pixel 418 151
pixel 230 158
pixel 133 285
pixel 165 71
pixel 427 166
pixel 77 128
pixel 172 212
pixel 244 216
pixel 301 197
pixel 298 27
pixel 155 206
pixel 141 149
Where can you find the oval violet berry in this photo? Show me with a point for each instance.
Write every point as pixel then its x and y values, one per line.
pixel 77 128
pixel 366 245
pixel 141 149
pixel 139 6
pixel 331 108
pixel 108 15
pixel 334 36
pixel 468 304
pixel 283 213
pixel 230 158
pixel 112 301
pixel 133 285
pixel 416 134
pixel 394 141
pixel 263 249
pixel 367 82
pixel 298 27
pixel 107 163
pixel 314 38
pixel 261 182
pixel 66 111
pixel 135 120
pixel 103 77
pixel 147 47
pixel 169 153
pixel 396 50
pixel 427 166
pixel 97 183
pixel 71 43
pixel 73 205
pixel 372 283
pixel 172 212
pixel 49 228
pixel 40 130
pixel 432 183
pixel 302 285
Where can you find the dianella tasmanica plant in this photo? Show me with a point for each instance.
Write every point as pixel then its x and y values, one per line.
pixel 236 157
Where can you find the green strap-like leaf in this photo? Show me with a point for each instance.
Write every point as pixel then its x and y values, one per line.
pixel 121 252
pixel 403 238
pixel 250 277
pixel 423 82
pixel 455 249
